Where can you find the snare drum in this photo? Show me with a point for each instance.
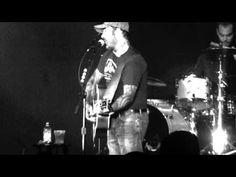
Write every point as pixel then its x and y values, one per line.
pixel 194 91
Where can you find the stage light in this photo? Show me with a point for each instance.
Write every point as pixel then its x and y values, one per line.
pixel 219 141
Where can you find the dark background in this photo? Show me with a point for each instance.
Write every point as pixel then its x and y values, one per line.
pixel 39 81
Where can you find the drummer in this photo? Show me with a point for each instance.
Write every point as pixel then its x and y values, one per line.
pixel 207 64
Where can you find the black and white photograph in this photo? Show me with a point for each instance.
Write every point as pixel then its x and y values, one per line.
pixel 117 88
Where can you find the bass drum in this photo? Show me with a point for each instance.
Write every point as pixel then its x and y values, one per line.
pixel 162 122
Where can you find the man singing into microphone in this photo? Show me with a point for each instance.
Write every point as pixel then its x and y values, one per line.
pixel 123 72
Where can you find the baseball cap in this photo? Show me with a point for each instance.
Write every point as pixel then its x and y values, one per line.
pixel 122 25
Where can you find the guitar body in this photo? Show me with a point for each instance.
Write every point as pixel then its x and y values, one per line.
pixel 102 122
pixel 100 129
pixel 99 114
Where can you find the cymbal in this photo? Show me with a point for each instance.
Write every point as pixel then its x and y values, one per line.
pixel 155 82
pixel 231 50
pixel 220 46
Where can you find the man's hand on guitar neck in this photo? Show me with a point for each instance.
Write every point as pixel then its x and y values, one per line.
pixel 99 108
pixel 104 108
pixel 90 115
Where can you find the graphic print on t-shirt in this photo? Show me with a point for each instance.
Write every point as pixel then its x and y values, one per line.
pixel 109 69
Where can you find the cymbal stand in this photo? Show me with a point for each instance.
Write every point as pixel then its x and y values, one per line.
pixel 192 119
pixel 219 122
pixel 220 97
pixel 192 123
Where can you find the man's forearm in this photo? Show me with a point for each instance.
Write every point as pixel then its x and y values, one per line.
pixel 126 99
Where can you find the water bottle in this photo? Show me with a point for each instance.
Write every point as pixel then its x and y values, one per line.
pixel 47 133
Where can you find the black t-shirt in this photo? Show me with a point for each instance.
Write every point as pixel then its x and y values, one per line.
pixel 134 73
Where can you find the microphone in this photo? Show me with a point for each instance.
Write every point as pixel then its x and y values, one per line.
pixel 98 43
pixel 101 42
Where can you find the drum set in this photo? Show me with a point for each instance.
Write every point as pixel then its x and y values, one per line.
pixel 196 109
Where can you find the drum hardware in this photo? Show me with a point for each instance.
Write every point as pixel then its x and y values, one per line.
pixel 206 116
pixel 192 124
pixel 213 114
pixel 221 50
pixel 230 106
pixel 156 89
pixel 219 135
pixel 191 111
pixel 219 144
pixel 155 82
pixel 159 103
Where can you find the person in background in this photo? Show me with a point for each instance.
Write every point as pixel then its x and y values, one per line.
pixel 207 66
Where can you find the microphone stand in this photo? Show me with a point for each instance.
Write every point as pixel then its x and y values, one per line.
pixel 83 128
pixel 83 92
